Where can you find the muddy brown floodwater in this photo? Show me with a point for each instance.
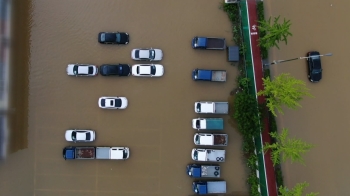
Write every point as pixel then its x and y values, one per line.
pixel 157 123
pixel 320 25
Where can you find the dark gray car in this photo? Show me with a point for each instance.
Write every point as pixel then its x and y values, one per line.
pixel 113 38
pixel 314 66
pixel 115 70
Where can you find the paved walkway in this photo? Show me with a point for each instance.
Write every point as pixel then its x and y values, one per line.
pixel 255 73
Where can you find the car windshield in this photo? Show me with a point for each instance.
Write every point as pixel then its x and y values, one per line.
pixel 75 69
pixel 103 37
pixel 118 37
pixel 198 107
pixel 137 54
pixel 153 70
pixel 197 139
pixel 152 54
pixel 91 70
pixel 195 155
pixel 125 154
pixel 198 125
pixel 74 135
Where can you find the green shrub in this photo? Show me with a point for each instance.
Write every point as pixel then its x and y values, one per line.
pixel 245 113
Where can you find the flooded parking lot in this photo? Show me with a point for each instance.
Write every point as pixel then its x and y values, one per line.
pixel 157 123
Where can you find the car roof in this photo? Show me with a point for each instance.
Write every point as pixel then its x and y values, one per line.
pixel 109 102
pixel 83 69
pixel 144 69
pixel 144 53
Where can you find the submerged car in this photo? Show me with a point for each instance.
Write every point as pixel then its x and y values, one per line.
pixel 147 54
pixel 113 38
pixel 112 102
pixel 115 70
pixel 147 70
pixel 314 66
pixel 82 70
pixel 80 135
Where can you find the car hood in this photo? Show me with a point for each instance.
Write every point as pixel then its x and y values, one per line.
pixel 158 55
pixel 68 135
pixel 159 70
pixel 124 38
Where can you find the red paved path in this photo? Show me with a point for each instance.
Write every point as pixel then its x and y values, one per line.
pixel 258 72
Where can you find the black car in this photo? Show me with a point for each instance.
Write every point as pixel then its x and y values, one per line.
pixel 314 66
pixel 115 70
pixel 113 38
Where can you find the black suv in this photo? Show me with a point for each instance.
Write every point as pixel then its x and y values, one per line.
pixel 115 70
pixel 314 66
pixel 113 38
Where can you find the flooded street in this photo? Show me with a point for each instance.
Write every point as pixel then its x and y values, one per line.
pixel 323 120
pixel 157 123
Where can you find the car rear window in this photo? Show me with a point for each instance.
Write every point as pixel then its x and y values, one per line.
pixel 88 136
pixel 103 102
pixel 118 102
pixel 91 70
pixel 75 69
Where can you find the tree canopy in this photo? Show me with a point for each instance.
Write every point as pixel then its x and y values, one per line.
pixel 283 90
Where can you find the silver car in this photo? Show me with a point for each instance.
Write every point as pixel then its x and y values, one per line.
pixel 80 135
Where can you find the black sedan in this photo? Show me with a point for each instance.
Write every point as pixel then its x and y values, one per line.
pixel 113 38
pixel 115 70
pixel 314 66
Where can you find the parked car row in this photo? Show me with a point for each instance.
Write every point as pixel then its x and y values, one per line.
pixel 141 70
pixel 203 187
pixel 208 154
pixel 90 152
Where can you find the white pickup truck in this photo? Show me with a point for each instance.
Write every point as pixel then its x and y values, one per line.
pixel 213 155
pixel 211 107
pixel 208 139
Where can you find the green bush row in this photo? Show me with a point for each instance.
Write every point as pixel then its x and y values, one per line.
pixel 245 105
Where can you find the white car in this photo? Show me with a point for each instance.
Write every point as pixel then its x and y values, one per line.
pixel 147 54
pixel 147 70
pixel 80 135
pixel 82 70
pixel 112 102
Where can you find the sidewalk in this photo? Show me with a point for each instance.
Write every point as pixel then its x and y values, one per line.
pixel 255 72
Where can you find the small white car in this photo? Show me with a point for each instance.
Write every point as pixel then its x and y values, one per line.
pixel 82 70
pixel 112 102
pixel 80 135
pixel 147 54
pixel 147 70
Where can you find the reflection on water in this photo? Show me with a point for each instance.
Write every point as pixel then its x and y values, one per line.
pixel 14 50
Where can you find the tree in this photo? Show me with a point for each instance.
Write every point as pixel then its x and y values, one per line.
pixel 273 34
pixel 288 148
pixel 283 90
pixel 295 191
